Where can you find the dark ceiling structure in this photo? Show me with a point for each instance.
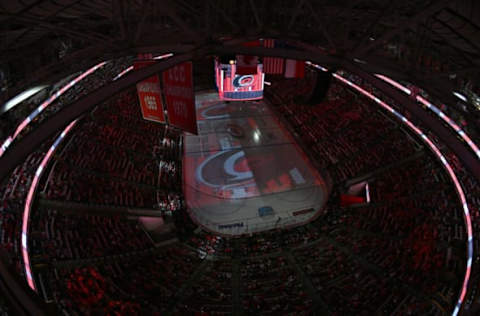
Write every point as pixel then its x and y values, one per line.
pixel 42 40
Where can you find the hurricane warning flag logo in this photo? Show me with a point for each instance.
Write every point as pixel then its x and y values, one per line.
pixel 243 81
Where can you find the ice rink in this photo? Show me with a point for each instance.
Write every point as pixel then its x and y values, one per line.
pixel 244 159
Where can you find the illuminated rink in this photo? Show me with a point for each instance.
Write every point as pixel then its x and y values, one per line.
pixel 241 160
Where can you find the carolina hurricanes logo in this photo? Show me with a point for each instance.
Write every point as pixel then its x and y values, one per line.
pixel 223 170
pixel 243 81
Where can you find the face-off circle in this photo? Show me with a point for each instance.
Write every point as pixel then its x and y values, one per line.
pixel 235 130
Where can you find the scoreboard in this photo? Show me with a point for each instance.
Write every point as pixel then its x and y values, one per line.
pixel 236 87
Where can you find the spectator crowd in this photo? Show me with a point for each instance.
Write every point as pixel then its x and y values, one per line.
pixel 403 253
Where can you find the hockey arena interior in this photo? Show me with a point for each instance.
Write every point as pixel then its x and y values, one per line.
pixel 239 158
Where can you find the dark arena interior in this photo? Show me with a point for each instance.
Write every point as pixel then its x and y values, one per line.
pixel 310 157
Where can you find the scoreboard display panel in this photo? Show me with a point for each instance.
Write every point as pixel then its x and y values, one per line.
pixel 236 87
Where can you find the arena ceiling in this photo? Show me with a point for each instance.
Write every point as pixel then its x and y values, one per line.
pixel 55 37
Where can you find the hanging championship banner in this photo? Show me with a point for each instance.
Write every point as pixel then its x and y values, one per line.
pixel 294 68
pixel 180 97
pixel 150 95
pixel 273 65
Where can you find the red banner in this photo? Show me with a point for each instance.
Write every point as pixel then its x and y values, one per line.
pixel 294 68
pixel 246 64
pixel 272 65
pixel 149 95
pixel 347 200
pixel 180 98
